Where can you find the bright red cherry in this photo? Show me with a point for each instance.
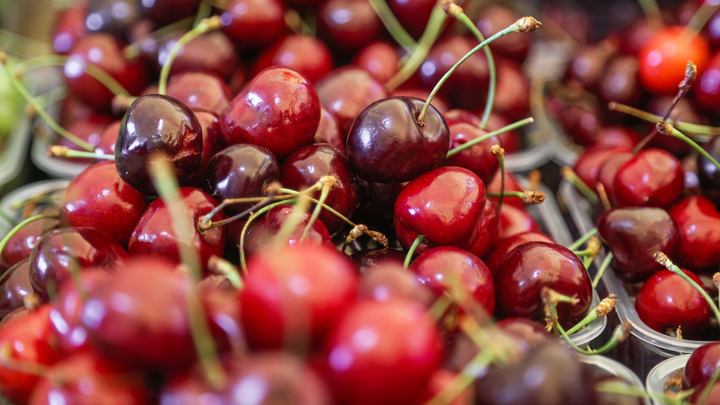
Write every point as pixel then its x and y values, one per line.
pixel 478 158
pixel 617 137
pixel 514 221
pixel 609 169
pixel 329 131
pixel 108 139
pixel 200 91
pixel 441 380
pixel 284 102
pixel 653 178
pixel 701 365
pixel 14 287
pixel 664 57
pixel 698 224
pixel 254 24
pixel 534 265
pixel 666 301
pixel 89 129
pixel 382 352
pixel 511 184
pixel 587 166
pixel 380 59
pixel 488 229
pixel 495 258
pixel 304 54
pixel 22 243
pixel 348 25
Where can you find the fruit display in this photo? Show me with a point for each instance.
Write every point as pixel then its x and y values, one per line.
pixel 332 202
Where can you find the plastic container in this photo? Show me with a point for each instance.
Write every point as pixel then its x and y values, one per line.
pixel 14 151
pixel 23 193
pixel 645 348
pixel 603 366
pixel 655 381
pixel 533 156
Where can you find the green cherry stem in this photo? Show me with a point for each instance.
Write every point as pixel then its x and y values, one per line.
pixel 696 129
pixel 457 12
pixel 581 241
pixel 204 11
pixel 325 206
pixel 205 25
pixel 439 307
pixel 677 134
pixel 420 239
pixel 487 136
pixel 603 266
pixel 392 24
pixel 220 266
pixel 253 217
pixel 652 12
pixel 525 24
pixel 136 48
pixel 328 182
pixel 603 308
pixel 702 16
pixel 473 370
pixel 568 174
pixel 64 151
pixel 21 225
pixel 499 152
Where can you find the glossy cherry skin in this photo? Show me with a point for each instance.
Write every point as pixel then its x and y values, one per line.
pixel 634 235
pixel 438 101
pixel 653 178
pixel 103 51
pixel 619 81
pixel 534 265
pixel 413 15
pixel 495 257
pixel 115 17
pixel 701 365
pixel 200 91
pixel 278 110
pixel 262 232
pixel 707 88
pixel 27 338
pixel 22 243
pixel 329 131
pixel 381 352
pixel 213 143
pixel 348 25
pixel 108 138
pixel 167 11
pixel 666 301
pixel 617 137
pixel 98 198
pixel 152 124
pixel 712 399
pixel 254 24
pixel 511 184
pixel 307 165
pixel 587 166
pixel 154 233
pixel 437 267
pixel 609 169
pixel 347 92
pixel 664 57
pixel 497 17
pixel 488 229
pixel 387 280
pixel 708 173
pixel 285 300
pixel 240 171
pixel 212 53
pixel 69 27
pixel 478 158
pixel 58 251
pixel 444 206
pixel 304 54
pixel 14 286
pixel 514 221
pixel 386 144
pixel 380 59
pixel 698 224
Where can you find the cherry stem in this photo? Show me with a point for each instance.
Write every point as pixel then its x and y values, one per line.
pixel 241 245
pixel 603 197
pixel 702 16
pixel 204 11
pixel 205 223
pixel 21 225
pixel 619 335
pixel 604 308
pixel 603 266
pixel 166 184
pixel 136 48
pixel 518 26
pixel 420 239
pixel 439 307
pixel 499 152
pixel 661 258
pixel 392 25
pixel 528 196
pixel 467 376
pixel 581 241
pixel 24 367
pixel 696 129
pixel 220 266
pixel 420 52
pixel 568 174
pixel 64 151
pixel 206 25
pixel 677 134
pixel 327 185
pixel 706 391
pixel 457 12
pixel 652 12
pixel 621 388
pixel 39 108
pixel 470 144
pixel 295 22
pixel 325 206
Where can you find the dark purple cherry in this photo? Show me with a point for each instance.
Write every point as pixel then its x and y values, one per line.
pixel 14 287
pixel 439 102
pixel 589 65
pixel 380 59
pixel 348 25
pixel 701 365
pixel 582 121
pixel 167 11
pixel 156 123
pixel 279 110
pixel 115 17
pixel 708 173
pixel 619 81
pixel 213 143
pixel 497 17
pixel 254 24
pixel 200 91
pixel 377 202
pixel 634 235
pixel 329 131
pixel 307 165
pixel 62 251
pixel 22 243
pixel 534 265
pixel 240 171
pixel 413 15
pixel 707 90
pixel 386 144
pixel 212 53
pixel 653 178
pixel 365 259
pixel 478 158
pixel 304 54
pixel 698 224
pixel 495 258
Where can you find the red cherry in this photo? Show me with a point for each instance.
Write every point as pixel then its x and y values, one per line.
pixel 512 96
pixel 495 258
pixel 347 25
pixel 514 221
pixel 304 54
pixel 619 81
pixel 511 184
pixel 497 17
pixel 167 11
pixel 413 15
pixel 387 280
pixel 587 166
pixel 22 243
pixel 254 24
pixel 617 137
pixel 609 169
pixel 664 57
pixel 653 178
pixel 329 131
pixel 441 380
pixel 666 301
pixel 69 27
pixel 488 230
pixel 698 223
pixel 200 91
pixel 213 143
pixel 108 138
pixel 707 88
pixel 701 365
pixel 382 352
pixel 88 129
pixel 14 287
pixel 212 53
pixel 380 59
pixel 590 64
pixel 478 158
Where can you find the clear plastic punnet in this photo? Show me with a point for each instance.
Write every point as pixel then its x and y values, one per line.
pixel 656 378
pixel 603 366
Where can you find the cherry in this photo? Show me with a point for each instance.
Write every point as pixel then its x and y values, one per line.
pixel 254 24
pixel 589 64
pixel 240 171
pixel 713 398
pixel 583 122
pixel 309 164
pixel 167 11
pixel 469 80
pixel 200 91
pixel 413 15
pixel 377 202
pixel 115 17
pixel 653 178
pixel 108 138
pixel 262 233
pixel 514 221
pixel 441 380
pixel 438 101
pixel 98 198
pixel 684 111
pixel 534 265
pixel 287 105
pixel 634 235
pixel 14 287
pixel 437 267
pixel 608 171
pixel 478 158
pixel 512 96
pixel 511 184
pixel 380 59
pixel 666 301
pixel 619 81
pixel 698 223
pixel 61 250
pixel 103 51
pixel 304 54
pixel 346 92
pixel 381 352
pixel 156 123
pixel 213 143
pixel 664 57
pixel 89 129
pixel 701 365
pixel 444 206
pixel 497 17
pixel 329 131
pixel 22 243
pixel 387 144
pixel 587 166
pixel 73 110
pixel 488 229
pixel 154 233
pixel 496 256
pixel 210 53
pixel 707 89
pixel 366 259
pixel 69 27
pixel 387 280
pixel 529 334
pixel 617 137
pixel 348 25
pixel 223 315
pixel 27 339
pixel 285 300
pixel 708 173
